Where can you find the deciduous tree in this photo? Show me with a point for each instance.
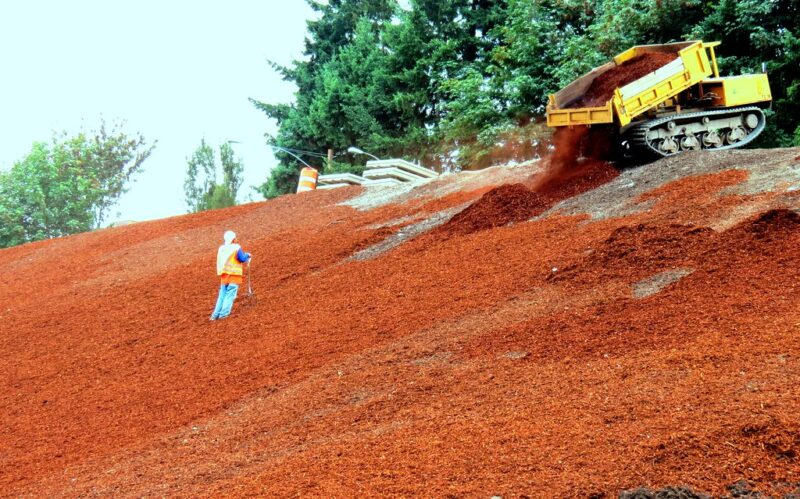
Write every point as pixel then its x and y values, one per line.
pixel 200 186
pixel 68 185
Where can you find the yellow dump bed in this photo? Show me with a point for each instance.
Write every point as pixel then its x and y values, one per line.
pixel 693 64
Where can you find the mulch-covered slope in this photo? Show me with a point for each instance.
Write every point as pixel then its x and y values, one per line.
pixel 477 359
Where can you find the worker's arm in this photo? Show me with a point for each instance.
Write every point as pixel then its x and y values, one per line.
pixel 242 256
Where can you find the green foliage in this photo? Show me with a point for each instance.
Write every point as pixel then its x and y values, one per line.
pixel 348 106
pixel 200 186
pixel 446 82
pixel 343 96
pixel 755 32
pixel 341 167
pixel 232 169
pixel 68 185
pixel 337 23
pixel 283 179
pixel 201 178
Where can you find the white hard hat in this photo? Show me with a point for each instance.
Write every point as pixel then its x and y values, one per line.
pixel 229 236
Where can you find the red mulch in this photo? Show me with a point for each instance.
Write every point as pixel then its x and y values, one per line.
pixel 456 366
pixel 500 206
pixel 602 88
pixel 516 203
pixel 452 200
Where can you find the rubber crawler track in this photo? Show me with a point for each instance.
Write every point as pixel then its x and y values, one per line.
pixel 637 136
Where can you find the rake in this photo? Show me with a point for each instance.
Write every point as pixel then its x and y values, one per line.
pixel 250 300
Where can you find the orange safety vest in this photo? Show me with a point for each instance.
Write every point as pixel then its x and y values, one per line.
pixel 227 263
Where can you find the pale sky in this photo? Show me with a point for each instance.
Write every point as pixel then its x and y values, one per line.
pixel 176 71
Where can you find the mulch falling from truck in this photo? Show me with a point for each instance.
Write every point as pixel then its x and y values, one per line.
pixel 517 202
pixel 565 173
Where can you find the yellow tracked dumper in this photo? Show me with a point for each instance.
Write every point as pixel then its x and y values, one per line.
pixel 681 105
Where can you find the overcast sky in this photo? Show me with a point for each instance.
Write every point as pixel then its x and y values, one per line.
pixel 176 71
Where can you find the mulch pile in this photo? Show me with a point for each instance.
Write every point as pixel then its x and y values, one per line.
pixel 510 361
pixel 500 206
pixel 516 203
pixel 602 88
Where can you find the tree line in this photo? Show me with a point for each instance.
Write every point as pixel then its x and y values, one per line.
pixel 69 185
pixel 458 84
pixel 453 84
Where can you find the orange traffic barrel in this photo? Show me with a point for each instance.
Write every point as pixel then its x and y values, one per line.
pixel 308 180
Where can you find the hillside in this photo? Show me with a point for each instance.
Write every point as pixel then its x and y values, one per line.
pixel 500 332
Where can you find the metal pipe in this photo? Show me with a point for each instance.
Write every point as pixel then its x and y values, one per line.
pixel 356 150
pixel 291 154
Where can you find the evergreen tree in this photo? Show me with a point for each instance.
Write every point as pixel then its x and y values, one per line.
pixel 465 83
pixel 341 95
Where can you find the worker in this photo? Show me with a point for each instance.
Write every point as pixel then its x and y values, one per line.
pixel 230 258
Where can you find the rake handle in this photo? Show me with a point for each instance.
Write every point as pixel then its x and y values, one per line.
pixel 249 286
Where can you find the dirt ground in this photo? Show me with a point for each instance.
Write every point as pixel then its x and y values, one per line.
pixel 637 333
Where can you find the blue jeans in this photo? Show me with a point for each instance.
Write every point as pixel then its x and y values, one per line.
pixel 227 293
